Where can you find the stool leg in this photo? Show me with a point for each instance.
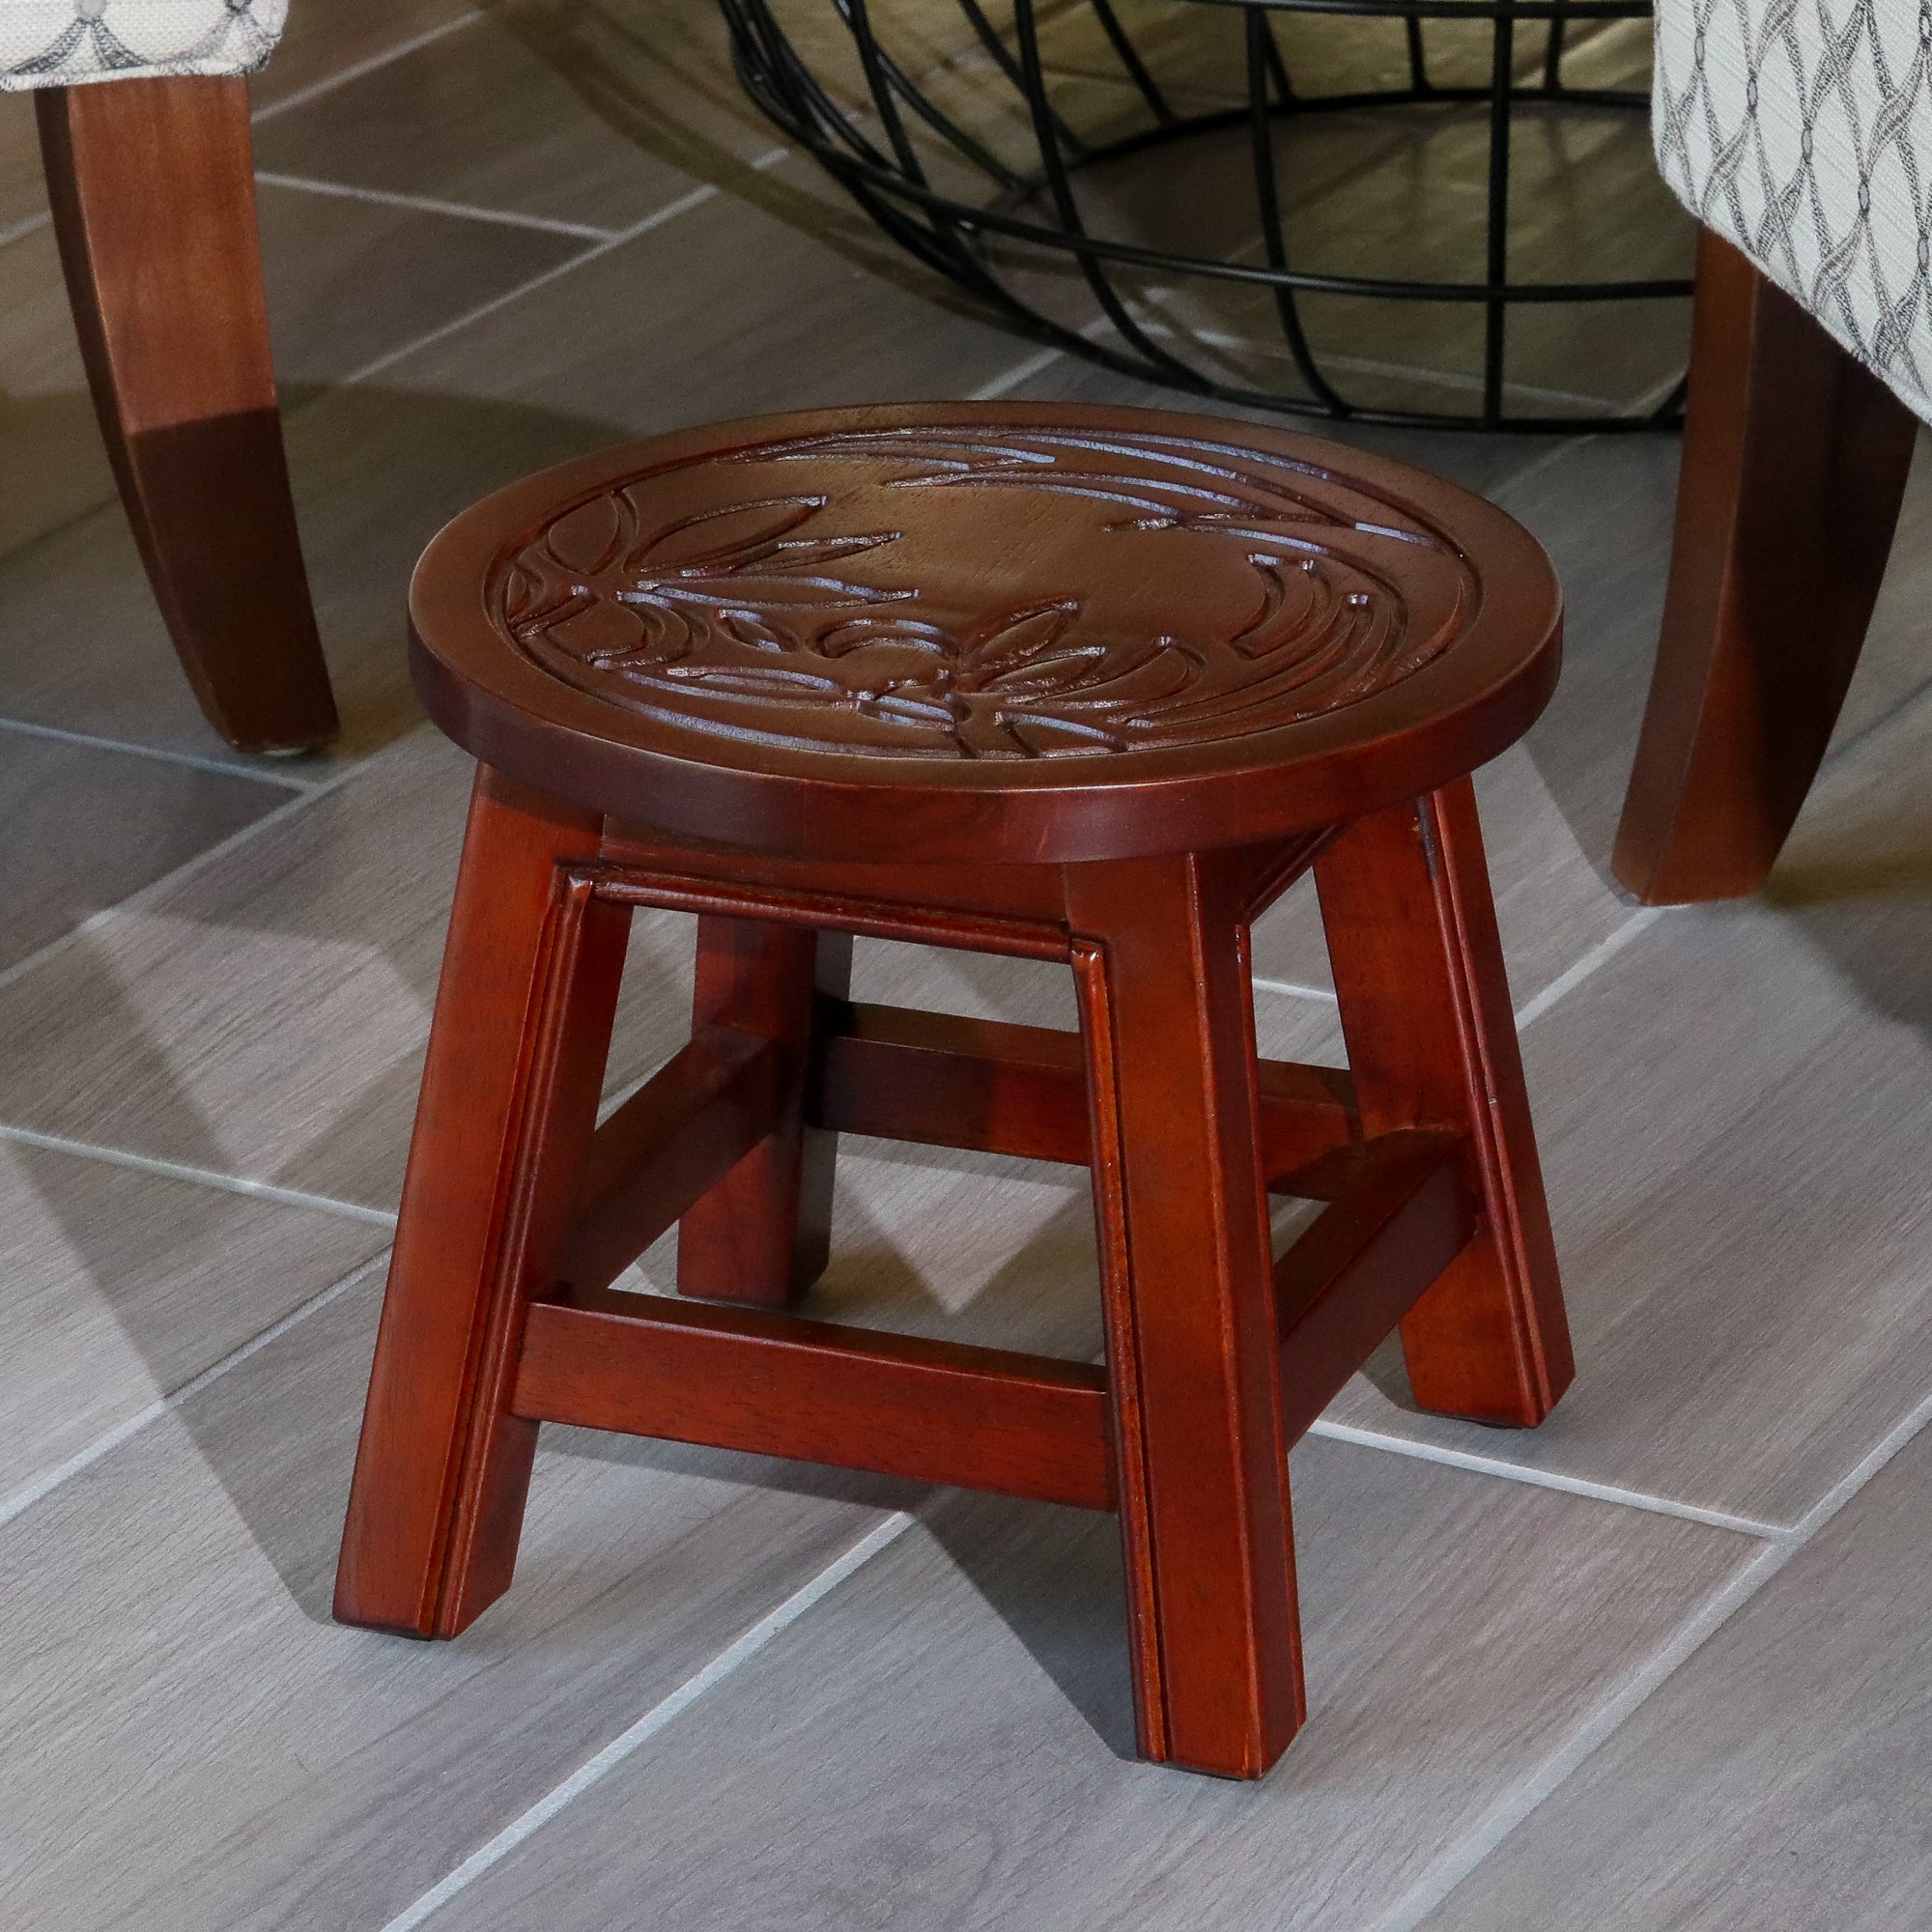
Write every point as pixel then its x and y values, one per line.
pixel 509 1100
pixel 1432 1041
pixel 1187 1284
pixel 763 1234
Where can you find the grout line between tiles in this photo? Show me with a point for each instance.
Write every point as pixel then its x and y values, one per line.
pixel 77 934
pixel 31 225
pixel 193 761
pixel 202 1177
pixel 429 204
pixel 24 1499
pixel 402 50
pixel 669 212
pixel 1296 991
pixel 593 1770
pixel 1546 1479
pixel 1020 372
pixel 1599 955
pixel 1644 1678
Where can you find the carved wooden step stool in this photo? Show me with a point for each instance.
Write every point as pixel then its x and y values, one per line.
pixel 1077 684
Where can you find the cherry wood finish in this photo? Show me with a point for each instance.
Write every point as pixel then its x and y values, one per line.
pixel 519 1212
pixel 1795 463
pixel 504 1133
pixel 153 188
pixel 778 1385
pixel 1185 1285
pixel 763 1232
pixel 1432 1041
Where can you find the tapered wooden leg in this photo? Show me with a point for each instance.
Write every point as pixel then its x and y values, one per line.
pixel 1431 1042
pixel 152 189
pixel 509 1100
pixel 1187 1282
pixel 763 1234
pixel 1795 462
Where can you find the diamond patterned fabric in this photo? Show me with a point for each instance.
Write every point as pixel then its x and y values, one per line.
pixel 1802 131
pixel 53 43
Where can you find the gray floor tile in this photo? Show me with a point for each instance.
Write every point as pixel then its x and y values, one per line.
pixel 266 1018
pixel 192 1743
pixel 657 72
pixel 122 1286
pixel 86 827
pixel 1480 463
pixel 1778 1780
pixel 55 467
pixel 724 310
pixel 320 43
pixel 350 280
pixel 478 119
pixel 1733 1139
pixel 346 282
pixel 938 1743
pixel 1552 906
pixel 23 191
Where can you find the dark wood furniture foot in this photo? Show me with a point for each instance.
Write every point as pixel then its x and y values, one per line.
pixel 153 188
pixel 1795 463
pixel 1086 686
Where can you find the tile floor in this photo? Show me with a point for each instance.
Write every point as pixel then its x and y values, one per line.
pixel 1665 1664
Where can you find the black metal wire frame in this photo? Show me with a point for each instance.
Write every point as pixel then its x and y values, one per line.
pixel 887 178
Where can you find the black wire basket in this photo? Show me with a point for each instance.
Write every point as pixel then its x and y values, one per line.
pixel 1401 213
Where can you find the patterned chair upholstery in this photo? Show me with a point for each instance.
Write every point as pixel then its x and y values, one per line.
pixel 1800 130
pixel 57 42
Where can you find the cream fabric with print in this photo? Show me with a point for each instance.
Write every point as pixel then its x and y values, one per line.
pixel 52 42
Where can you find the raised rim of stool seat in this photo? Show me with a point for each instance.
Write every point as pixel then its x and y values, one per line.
pixel 1454 602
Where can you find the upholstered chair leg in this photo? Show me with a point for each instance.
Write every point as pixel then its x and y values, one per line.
pixel 1432 1044
pixel 1795 462
pixel 509 1100
pixel 153 191
pixel 1188 1285
pixel 763 1234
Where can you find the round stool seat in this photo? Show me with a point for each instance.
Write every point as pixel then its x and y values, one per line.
pixel 984 632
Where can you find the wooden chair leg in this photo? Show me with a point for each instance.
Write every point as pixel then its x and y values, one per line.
pixel 152 189
pixel 763 1234
pixel 1795 462
pixel 1187 1282
pixel 1432 1041
pixel 509 1100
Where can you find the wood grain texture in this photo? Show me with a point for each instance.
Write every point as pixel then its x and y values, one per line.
pixel 786 635
pixel 1431 1042
pixel 1723 1262
pixel 679 1136
pixel 1359 1268
pixel 942 1080
pixel 1795 462
pixel 958 1714
pixel 503 1130
pixel 777 1385
pixel 762 1233
pixel 1187 1291
pixel 152 189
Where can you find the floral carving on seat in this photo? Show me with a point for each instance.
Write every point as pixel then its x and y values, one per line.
pixel 845 614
